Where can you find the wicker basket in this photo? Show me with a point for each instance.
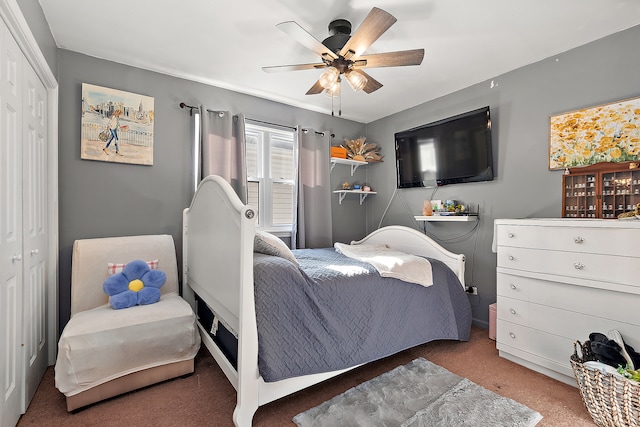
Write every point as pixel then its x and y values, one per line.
pixel 611 401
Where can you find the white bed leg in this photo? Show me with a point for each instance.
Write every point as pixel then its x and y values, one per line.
pixel 243 414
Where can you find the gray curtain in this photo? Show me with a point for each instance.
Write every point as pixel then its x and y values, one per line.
pixel 222 140
pixel 314 226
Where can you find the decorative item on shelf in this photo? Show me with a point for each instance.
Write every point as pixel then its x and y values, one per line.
pixel 338 152
pixel 357 187
pixel 635 213
pixel 366 188
pixel 450 206
pixel 427 209
pixel 346 186
pixel 358 149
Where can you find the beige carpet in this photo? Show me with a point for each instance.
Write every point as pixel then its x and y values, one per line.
pixel 207 399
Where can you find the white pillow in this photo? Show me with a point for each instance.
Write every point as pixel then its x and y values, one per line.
pixel 267 243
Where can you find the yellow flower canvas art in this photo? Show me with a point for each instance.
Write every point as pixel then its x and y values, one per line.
pixel 605 133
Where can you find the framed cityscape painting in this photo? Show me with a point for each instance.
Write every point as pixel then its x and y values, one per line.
pixel 116 126
pixel 605 133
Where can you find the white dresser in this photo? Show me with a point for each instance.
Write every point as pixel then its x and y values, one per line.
pixel 560 279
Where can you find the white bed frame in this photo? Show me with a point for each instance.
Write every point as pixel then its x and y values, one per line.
pixel 218 233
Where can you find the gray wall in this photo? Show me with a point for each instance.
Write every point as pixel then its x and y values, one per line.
pixel 38 25
pixel 100 199
pixel 521 102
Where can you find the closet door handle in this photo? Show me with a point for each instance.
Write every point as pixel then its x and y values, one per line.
pixel 35 251
pixel 16 258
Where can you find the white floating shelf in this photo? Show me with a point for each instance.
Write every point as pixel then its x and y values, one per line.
pixel 343 193
pixel 453 218
pixel 353 163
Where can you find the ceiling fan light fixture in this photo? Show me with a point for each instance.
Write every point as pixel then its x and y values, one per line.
pixel 334 90
pixel 356 80
pixel 329 77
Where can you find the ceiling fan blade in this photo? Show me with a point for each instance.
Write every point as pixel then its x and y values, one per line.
pixel 374 25
pixel 305 39
pixel 278 68
pixel 372 84
pixel 315 89
pixel 392 59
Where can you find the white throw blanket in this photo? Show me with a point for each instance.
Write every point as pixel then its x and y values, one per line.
pixel 391 263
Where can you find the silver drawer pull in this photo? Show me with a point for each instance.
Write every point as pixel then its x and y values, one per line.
pixel 511 235
pixel 512 335
pixel 512 311
pixel 512 286
pixel 578 239
pixel 511 257
pixel 578 265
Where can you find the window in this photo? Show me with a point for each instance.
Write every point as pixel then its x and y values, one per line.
pixel 271 166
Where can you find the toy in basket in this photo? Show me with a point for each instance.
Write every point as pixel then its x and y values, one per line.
pixel 611 399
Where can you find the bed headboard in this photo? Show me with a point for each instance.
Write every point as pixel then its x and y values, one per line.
pixel 412 241
pixel 218 233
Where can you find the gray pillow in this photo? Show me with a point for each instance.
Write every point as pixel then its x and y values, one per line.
pixel 267 243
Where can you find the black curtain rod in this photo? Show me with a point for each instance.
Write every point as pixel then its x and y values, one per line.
pixel 183 105
pixel 191 108
pixel 272 124
pixel 332 135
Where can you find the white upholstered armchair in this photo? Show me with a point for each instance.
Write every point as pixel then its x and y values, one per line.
pixel 104 352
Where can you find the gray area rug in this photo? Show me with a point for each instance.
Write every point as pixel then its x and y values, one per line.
pixel 418 394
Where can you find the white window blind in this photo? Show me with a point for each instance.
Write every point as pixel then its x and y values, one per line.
pixel 271 166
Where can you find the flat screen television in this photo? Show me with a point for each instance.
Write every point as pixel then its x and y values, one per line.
pixel 450 151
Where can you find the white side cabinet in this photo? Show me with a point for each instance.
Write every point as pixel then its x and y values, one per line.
pixel 559 280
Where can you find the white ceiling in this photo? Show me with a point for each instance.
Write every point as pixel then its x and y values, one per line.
pixel 225 43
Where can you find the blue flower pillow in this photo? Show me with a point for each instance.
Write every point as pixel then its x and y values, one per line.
pixel 136 284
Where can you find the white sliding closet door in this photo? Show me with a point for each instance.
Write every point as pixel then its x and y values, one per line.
pixel 11 251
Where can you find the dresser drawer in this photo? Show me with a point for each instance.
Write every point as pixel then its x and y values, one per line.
pixel 603 268
pixel 603 303
pixel 578 326
pixel 528 340
pixel 514 286
pixel 513 310
pixel 613 241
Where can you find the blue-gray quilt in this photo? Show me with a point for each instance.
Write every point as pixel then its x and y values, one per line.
pixel 334 312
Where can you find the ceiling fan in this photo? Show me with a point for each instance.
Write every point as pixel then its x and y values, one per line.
pixel 343 53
